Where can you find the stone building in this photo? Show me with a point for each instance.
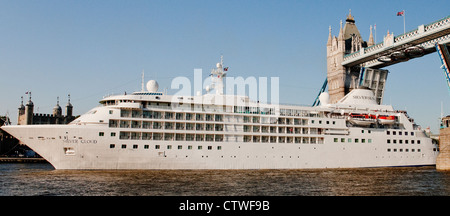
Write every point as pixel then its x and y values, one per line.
pixel 27 116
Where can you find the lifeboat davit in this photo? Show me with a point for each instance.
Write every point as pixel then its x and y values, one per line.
pixel 362 119
pixel 386 119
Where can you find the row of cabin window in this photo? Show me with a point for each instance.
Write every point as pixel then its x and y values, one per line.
pixel 401 150
pixel 171 115
pixel 401 141
pixel 189 147
pixel 283 139
pixel 349 140
pixel 399 133
pixel 166 125
pixel 170 136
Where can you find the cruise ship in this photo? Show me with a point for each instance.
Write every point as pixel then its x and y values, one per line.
pixel 151 130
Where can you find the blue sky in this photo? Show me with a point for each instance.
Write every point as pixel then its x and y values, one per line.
pixel 93 48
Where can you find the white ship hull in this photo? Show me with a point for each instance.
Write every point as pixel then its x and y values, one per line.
pixel 94 152
pixel 150 130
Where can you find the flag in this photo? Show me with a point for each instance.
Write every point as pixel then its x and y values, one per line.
pixel 401 13
pixel 225 69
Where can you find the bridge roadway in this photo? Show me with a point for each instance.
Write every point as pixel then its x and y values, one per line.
pixel 423 39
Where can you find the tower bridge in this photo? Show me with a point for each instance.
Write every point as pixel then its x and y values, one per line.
pixel 353 62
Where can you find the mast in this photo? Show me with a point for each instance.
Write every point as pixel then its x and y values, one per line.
pixel 217 75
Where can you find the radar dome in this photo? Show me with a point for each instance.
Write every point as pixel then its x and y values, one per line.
pixel 324 98
pixel 152 86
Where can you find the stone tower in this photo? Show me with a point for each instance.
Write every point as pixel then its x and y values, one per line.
pixel 342 80
pixel 69 110
pixel 21 109
pixel 57 111
pixel 29 107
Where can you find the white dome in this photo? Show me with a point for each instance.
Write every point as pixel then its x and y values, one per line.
pixel 324 98
pixel 152 86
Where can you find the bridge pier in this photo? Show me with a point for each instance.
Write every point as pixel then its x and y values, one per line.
pixel 443 159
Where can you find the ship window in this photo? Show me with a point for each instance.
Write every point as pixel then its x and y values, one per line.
pixel 209 147
pixel 400 141
pixel 418 141
pixel 389 150
pixel 145 146
pixel 370 140
pixel 362 131
pixel 399 133
pixel 412 133
pixel 342 139
pixel 180 147
pixel 101 134
pixel 412 141
pixel 135 146
pixel 406 133
pixel 157 146
pixel 363 140
pixel 169 146
pixel 356 140
pixel 406 141
pixel 199 147
pixel 335 139
pixel 388 141
pixel 112 145
pixel 113 133
pixel 219 147
pixel 349 140
pixel 388 133
pixel 394 133
pixel 111 112
pixel 395 141
pixel 413 150
pixel 124 146
pixel 190 147
pixel 395 150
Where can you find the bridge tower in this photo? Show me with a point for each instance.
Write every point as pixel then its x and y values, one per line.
pixel 341 79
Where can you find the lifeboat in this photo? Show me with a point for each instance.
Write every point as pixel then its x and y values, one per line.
pixel 386 119
pixel 362 119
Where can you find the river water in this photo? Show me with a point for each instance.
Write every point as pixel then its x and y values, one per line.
pixel 39 179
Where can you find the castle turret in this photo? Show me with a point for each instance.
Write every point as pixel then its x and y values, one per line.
pixel 57 111
pixel 29 107
pixel 69 109
pixel 371 41
pixel 21 107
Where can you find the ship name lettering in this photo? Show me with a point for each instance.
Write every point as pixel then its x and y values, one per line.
pixel 363 97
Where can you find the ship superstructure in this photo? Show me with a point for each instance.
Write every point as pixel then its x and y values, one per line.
pixel 152 130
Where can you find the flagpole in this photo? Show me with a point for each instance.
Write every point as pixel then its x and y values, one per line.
pixel 404 22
